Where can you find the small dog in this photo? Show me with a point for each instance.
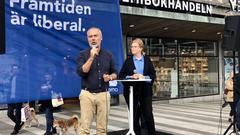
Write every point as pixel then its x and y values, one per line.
pixel 64 125
pixel 32 117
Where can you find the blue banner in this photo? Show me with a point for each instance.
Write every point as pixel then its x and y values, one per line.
pixel 43 41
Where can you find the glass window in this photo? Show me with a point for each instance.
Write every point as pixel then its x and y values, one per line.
pixel 198 76
pixel 228 53
pixel 129 39
pixel 228 66
pixel 170 47
pixel 166 83
pixel 197 48
pixel 154 46
pixel 236 65
pixel 188 48
pixel 207 48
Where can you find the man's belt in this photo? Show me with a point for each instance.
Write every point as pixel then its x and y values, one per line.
pixel 95 91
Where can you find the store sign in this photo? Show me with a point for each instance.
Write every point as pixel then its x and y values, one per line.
pixel 235 5
pixel 172 5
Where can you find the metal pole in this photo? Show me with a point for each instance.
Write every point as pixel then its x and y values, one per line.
pixel 130 115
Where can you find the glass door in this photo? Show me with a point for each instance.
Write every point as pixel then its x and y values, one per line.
pixel 166 83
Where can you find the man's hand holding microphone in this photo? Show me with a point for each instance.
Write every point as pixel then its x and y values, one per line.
pixel 94 51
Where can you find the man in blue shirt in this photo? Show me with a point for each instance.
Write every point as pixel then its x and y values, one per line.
pixel 96 68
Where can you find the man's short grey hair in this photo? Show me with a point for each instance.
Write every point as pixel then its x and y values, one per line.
pixel 95 28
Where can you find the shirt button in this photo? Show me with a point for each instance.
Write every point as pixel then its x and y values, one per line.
pixel 99 78
pixel 98 71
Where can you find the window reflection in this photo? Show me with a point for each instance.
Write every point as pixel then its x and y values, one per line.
pixel 198 76
pixel 165 85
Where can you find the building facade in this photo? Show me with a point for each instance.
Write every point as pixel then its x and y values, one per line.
pixel 184 40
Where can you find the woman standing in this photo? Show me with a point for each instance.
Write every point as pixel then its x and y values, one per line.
pixel 139 66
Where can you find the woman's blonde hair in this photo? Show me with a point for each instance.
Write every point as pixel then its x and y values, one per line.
pixel 139 42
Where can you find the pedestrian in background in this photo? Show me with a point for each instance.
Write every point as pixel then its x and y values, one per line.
pixel 14 107
pixel 46 104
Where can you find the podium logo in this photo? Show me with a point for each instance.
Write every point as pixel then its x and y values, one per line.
pixel 113 90
pixel 113 83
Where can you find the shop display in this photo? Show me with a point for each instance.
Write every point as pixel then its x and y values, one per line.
pixel 194 66
pixel 162 85
pixel 193 74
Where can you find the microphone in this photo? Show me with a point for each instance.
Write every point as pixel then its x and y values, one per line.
pixel 130 77
pixel 135 71
pixel 94 47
